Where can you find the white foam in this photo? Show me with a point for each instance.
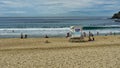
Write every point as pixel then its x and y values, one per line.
pixel 35 29
pixel 112 26
pixel 41 32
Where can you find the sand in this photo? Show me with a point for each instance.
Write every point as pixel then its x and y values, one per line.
pixel 104 52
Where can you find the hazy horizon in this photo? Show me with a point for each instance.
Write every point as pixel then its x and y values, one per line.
pixel 62 16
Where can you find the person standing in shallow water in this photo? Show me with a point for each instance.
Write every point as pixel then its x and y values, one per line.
pixel 89 36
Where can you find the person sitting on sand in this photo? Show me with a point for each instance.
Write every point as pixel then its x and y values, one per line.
pixel 91 35
pixel 89 39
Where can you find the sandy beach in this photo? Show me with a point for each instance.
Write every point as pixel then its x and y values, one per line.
pixel 104 52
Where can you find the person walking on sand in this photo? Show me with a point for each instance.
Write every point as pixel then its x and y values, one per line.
pixel 84 34
pixel 97 33
pixel 89 36
pixel 21 36
pixel 93 37
pixel 25 35
pixel 46 36
pixel 114 33
pixel 110 33
pixel 68 35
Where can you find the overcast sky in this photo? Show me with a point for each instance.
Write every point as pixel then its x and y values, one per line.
pixel 59 7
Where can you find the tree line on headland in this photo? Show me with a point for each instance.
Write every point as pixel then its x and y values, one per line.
pixel 116 15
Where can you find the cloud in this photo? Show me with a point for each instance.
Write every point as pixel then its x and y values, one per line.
pixel 58 7
pixel 101 7
pixel 13 4
pixel 15 12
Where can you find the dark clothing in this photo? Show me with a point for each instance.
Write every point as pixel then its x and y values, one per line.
pixel 25 35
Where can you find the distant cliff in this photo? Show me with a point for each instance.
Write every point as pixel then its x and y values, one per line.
pixel 116 15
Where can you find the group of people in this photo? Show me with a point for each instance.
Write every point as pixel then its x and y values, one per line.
pixel 90 35
pixel 23 36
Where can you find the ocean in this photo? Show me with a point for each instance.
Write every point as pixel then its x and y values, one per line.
pixel 35 27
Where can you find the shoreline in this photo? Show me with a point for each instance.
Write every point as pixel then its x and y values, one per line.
pixel 56 36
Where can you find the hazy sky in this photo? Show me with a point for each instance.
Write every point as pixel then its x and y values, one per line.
pixel 59 7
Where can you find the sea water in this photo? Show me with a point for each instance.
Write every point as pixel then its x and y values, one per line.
pixel 13 27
